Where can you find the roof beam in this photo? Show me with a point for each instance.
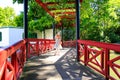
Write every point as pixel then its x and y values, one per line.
pixel 54 12
pixel 62 8
pixel 58 3
pixel 54 3
pixel 44 6
pixel 71 13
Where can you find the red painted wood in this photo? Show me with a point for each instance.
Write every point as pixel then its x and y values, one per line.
pixel 100 59
pixel 39 46
pixel 12 60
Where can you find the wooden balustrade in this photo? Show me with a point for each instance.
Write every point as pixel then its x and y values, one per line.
pixel 39 46
pixel 12 61
pixel 102 57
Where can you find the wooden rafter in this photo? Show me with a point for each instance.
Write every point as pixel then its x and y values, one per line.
pixel 57 3
pixel 54 11
pixel 44 6
pixel 71 13
pixel 54 3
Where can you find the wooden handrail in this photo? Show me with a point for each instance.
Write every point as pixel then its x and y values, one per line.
pixel 12 61
pixel 98 56
pixel 39 46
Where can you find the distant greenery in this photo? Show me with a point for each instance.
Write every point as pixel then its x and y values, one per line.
pixel 18 1
pixel 99 19
pixel 69 29
pixel 19 20
pixel 32 35
pixel 69 34
pixel 7 15
pixel 38 18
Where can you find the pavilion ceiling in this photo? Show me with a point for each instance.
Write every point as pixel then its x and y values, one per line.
pixel 59 8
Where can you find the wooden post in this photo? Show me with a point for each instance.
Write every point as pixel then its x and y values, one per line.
pixel 77 26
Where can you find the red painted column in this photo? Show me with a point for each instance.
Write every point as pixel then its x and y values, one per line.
pixel 107 71
pixel 14 63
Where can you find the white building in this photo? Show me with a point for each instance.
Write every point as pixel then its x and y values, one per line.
pixel 9 36
pixel 48 34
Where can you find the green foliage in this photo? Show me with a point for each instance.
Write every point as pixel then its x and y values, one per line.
pixel 39 19
pixel 32 35
pixel 19 20
pixel 111 35
pixel 69 30
pixel 100 20
pixel 18 1
pixel 7 15
pixel 67 23
pixel 35 11
pixel 69 33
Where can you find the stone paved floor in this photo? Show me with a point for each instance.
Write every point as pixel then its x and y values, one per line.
pixel 60 67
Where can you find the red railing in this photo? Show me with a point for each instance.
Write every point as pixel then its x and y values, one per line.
pixel 70 43
pixel 39 46
pixel 12 61
pixel 102 57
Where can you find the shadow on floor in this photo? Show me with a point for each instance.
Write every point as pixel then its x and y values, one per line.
pixel 65 68
pixel 70 69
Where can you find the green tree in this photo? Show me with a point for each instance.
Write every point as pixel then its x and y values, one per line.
pixel 18 1
pixel 19 20
pixel 1 16
pixel 100 20
pixel 7 15
pixel 39 19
